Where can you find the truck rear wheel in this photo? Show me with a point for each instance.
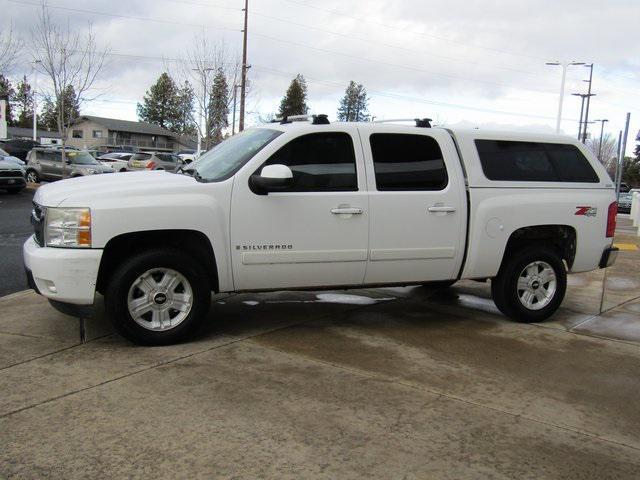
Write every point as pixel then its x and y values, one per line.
pixel 530 285
pixel 158 297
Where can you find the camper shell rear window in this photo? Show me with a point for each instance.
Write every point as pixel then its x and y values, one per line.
pixel 506 160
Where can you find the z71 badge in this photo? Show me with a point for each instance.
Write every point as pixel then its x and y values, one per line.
pixel 587 211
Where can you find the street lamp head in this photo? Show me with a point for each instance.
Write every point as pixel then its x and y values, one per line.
pixel 577 63
pixel 552 63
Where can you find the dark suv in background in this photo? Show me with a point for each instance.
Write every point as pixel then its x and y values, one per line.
pixel 19 147
pixel 46 164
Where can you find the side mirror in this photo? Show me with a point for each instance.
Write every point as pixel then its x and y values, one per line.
pixel 272 178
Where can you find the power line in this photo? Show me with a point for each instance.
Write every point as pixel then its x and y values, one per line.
pixel 283 41
pixel 404 97
pixel 413 32
pixel 422 52
pixel 389 64
pixel 131 17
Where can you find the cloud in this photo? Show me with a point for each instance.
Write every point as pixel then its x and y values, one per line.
pixel 464 61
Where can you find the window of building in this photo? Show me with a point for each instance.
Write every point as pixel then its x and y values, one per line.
pixel 77 134
pixel 407 162
pixel 534 162
pixel 320 162
pixel 97 134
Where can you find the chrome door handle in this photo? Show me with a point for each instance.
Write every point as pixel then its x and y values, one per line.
pixel 441 208
pixel 346 211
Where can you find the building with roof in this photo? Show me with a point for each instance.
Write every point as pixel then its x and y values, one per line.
pixel 109 134
pixel 42 136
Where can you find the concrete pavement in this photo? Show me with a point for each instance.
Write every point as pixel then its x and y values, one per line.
pixel 15 228
pixel 385 383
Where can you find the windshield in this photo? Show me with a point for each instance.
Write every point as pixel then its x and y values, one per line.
pixel 229 156
pixel 81 158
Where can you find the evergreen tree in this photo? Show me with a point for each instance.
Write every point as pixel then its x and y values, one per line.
pixel 48 118
pixel 161 104
pixel 7 93
pixel 23 103
pixel 186 97
pixel 354 105
pixel 294 101
pixel 218 108
pixel 52 113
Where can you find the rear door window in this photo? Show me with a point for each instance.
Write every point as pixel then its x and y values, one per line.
pixel 407 162
pixel 141 156
pixel 504 160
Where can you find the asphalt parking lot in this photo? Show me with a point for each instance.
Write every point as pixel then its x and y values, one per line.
pixel 379 383
pixel 15 228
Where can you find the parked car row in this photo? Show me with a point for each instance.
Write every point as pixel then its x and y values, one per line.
pixel 46 164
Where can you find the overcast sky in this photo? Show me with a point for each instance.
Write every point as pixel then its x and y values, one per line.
pixel 479 63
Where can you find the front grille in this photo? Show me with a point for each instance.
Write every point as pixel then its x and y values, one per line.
pixel 37 220
pixel 10 173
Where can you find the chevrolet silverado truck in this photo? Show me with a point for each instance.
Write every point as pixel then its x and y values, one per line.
pixel 317 205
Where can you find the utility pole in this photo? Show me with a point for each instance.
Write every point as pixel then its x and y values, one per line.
pixel 623 148
pixel 581 112
pixel 564 77
pixel 245 67
pixel 602 122
pixel 582 121
pixel 586 113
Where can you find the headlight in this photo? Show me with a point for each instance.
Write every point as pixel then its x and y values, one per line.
pixel 87 171
pixel 68 227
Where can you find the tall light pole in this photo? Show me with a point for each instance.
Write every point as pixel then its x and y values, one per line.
pixel 564 77
pixel 602 121
pixel 35 103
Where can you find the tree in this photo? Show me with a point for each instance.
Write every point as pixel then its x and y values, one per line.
pixel 161 104
pixel 186 99
pixel 51 112
pixel 609 148
pixel 294 101
pixel 72 63
pixel 354 105
pixel 204 62
pixel 631 170
pixel 10 47
pixel 7 93
pixel 218 113
pixel 23 104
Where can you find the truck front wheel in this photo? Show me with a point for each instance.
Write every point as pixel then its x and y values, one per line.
pixel 530 285
pixel 158 297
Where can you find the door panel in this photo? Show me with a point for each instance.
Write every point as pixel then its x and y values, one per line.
pixel 415 235
pixel 301 238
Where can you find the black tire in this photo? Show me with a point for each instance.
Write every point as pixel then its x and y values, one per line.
pixel 36 177
pixel 442 284
pixel 117 292
pixel 504 287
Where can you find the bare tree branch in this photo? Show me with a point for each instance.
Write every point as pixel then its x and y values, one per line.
pixel 69 60
pixel 10 48
pixel 199 67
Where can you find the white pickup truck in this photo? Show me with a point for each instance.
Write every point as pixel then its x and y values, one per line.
pixel 313 205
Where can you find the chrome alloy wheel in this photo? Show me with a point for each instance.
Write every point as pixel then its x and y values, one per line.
pixel 536 285
pixel 160 299
pixel 32 177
